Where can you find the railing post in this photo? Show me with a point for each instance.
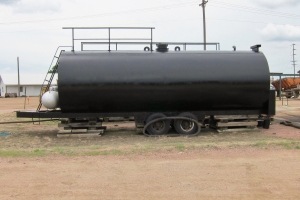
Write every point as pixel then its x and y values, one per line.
pixel 151 41
pixel 108 39
pixel 73 39
pixel 280 88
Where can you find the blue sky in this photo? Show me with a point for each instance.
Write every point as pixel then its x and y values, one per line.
pixel 32 29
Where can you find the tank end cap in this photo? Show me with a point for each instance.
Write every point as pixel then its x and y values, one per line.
pixel 255 48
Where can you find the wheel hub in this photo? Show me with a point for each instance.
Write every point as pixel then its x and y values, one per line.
pixel 158 126
pixel 186 125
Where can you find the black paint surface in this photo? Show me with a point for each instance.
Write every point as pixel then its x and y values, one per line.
pixel 162 82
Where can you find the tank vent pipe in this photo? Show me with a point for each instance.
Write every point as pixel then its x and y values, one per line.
pixel 255 48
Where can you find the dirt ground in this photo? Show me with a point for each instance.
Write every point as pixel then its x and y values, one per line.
pixel 121 164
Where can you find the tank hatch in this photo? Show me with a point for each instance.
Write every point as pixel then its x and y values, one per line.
pixel 162 47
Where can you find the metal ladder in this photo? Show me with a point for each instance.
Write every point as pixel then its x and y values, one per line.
pixel 49 76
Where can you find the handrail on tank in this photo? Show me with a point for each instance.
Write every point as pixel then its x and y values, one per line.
pixel 110 40
pixel 184 44
pixel 109 34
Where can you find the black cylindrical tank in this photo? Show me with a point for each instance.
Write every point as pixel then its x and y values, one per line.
pixel 162 82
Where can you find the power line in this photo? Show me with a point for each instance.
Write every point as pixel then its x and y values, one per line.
pixel 221 4
pixel 192 3
pixel 197 18
pixel 216 3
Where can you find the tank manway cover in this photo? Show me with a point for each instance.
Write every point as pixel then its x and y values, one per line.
pixel 161 47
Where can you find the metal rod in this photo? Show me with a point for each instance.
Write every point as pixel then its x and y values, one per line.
pixel 108 27
pixel 112 39
pixel 25 98
pixel 15 122
pixel 72 39
pixel 170 43
pixel 280 88
pixel 151 41
pixel 18 77
pixel 108 39
pixel 204 25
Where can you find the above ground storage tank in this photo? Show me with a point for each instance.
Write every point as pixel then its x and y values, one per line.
pixel 162 82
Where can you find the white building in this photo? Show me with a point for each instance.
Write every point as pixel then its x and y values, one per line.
pixel 29 83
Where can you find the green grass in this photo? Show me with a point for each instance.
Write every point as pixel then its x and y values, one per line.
pixel 180 147
pixel 260 144
pixel 66 151
pixel 286 144
pixel 33 143
pixel 96 150
pixel 115 152
pixel 11 153
pixel 92 153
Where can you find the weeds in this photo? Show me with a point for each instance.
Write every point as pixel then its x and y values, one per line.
pixel 260 144
pixel 11 153
pixel 180 147
pixel 287 144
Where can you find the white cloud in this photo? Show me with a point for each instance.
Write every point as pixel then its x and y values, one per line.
pixel 277 3
pixel 7 69
pixel 40 6
pixel 281 32
pixel 8 2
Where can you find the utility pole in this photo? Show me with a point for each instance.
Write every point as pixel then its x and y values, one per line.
pixel 204 24
pixel 18 77
pixel 294 62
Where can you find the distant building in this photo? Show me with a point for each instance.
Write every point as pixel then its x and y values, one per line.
pixel 29 83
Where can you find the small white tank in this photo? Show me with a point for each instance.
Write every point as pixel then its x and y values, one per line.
pixel 50 98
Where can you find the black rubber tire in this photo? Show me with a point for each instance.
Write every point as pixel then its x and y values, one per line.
pixel 146 49
pixel 178 124
pixel 177 48
pixel 158 128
